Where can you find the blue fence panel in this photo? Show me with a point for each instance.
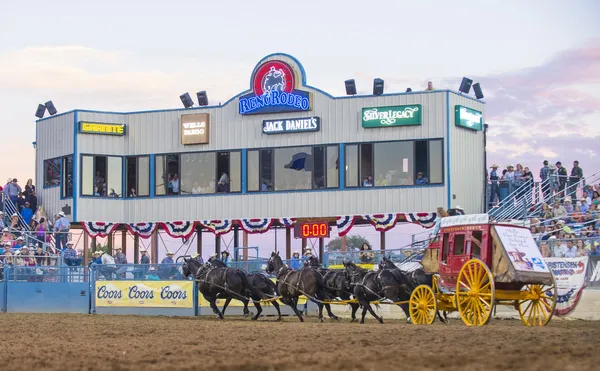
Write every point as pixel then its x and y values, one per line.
pixel 2 296
pixel 43 289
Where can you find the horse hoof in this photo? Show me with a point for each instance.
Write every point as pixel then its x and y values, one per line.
pixel 321 320
pixel 279 319
pixel 254 318
pixel 353 320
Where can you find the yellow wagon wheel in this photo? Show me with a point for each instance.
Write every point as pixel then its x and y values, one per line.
pixel 422 305
pixel 475 293
pixel 538 308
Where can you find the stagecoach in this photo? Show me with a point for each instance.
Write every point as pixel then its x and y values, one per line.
pixel 477 264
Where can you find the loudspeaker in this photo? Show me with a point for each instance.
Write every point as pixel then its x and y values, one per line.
pixel 350 87
pixel 477 90
pixel 51 109
pixel 186 100
pixel 41 110
pixel 465 85
pixel 377 86
pixel 202 98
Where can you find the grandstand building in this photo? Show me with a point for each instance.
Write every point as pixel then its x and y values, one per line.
pixel 281 149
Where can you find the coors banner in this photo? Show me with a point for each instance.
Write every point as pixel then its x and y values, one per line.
pixel 570 276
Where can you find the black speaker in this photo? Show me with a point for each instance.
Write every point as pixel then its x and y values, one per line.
pixel 51 109
pixel 41 110
pixel 350 87
pixel 202 98
pixel 186 100
pixel 465 85
pixel 477 90
pixel 377 87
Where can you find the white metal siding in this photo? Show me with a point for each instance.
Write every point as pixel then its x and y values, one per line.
pixel 299 204
pixel 54 138
pixel 466 160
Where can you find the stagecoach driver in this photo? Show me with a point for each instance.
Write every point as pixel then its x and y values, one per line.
pixel 310 259
pixel 198 258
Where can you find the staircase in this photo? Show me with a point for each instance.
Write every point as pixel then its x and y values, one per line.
pixel 10 209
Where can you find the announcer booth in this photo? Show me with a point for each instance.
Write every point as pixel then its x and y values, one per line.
pixel 282 154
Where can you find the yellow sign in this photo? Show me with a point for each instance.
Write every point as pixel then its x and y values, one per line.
pixel 365 266
pixel 149 294
pixel 99 128
pixel 236 303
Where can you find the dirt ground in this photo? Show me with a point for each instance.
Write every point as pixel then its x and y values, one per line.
pixel 94 342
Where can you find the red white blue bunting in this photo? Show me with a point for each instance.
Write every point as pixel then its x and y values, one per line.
pixel 426 220
pixel 382 222
pixel 179 229
pixel 344 224
pixel 287 222
pixel 99 229
pixel 255 225
pixel 144 230
pixel 218 227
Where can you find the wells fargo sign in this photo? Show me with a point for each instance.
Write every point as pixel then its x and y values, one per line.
pixel 149 294
pixel 101 128
pixel 195 128
pixel 379 117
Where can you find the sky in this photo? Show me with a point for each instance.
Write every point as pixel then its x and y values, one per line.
pixel 538 61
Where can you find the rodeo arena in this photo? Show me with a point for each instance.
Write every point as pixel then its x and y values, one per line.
pixel 225 234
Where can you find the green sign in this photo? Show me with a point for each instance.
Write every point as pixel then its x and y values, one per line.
pixel 380 117
pixel 468 118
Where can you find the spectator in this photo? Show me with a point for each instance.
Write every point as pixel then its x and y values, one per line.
pixel 42 258
pixel 581 250
pixel 562 178
pixel 167 268
pixel 20 244
pixel 366 254
pixel 569 205
pixel 558 211
pixel 594 250
pixel 225 257
pixel 27 213
pixel 421 179
pixel 429 86
pixel 41 233
pixel 120 259
pixel 2 224
pixel 97 259
pixel 576 177
pixel 553 181
pixel 295 263
pixel 15 224
pixel 559 249
pixel 571 250
pixel 198 258
pixel 545 250
pixel 368 182
pixel 519 180
pixel 494 178
pixel 12 190
pixel 174 185
pixel 144 264
pixel 61 228
pixel 108 265
pixel 585 207
pixel 545 177
pixel 70 256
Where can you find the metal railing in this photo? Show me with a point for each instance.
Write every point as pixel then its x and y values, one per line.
pixel 10 209
pixel 375 256
pixel 42 273
pixel 137 272
pixel 584 246
pixel 32 239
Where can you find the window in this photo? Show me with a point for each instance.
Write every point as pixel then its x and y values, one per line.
pixel 294 168
pixel 67 177
pixel 476 248
pixel 51 172
pixel 229 172
pixel 445 246
pixel 397 163
pixel 436 162
pixel 253 171
pixel 318 172
pixel 333 167
pixel 459 244
pixel 351 165
pixel 167 175
pixel 101 176
pixel 393 163
pixel 266 170
pixel 138 176
pixel 198 173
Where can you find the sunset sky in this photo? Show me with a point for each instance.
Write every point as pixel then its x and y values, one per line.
pixel 538 61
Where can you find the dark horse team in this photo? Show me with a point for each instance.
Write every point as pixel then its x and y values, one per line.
pixel 322 286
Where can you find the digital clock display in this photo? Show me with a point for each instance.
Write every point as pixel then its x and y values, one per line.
pixel 311 230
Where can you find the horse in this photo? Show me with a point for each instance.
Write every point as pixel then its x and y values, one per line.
pixel 377 285
pixel 293 283
pixel 417 277
pixel 338 286
pixel 221 282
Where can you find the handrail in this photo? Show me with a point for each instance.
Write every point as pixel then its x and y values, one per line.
pixel 10 209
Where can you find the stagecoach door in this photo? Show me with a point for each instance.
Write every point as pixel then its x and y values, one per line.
pixel 454 255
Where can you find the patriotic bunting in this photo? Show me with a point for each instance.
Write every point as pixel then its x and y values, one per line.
pixel 99 229
pixel 179 229
pixel 218 227
pixel 144 230
pixel 344 224
pixel 287 222
pixel 426 220
pixel 382 222
pixel 255 225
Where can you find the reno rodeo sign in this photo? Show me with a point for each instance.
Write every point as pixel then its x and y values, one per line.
pixel 274 91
